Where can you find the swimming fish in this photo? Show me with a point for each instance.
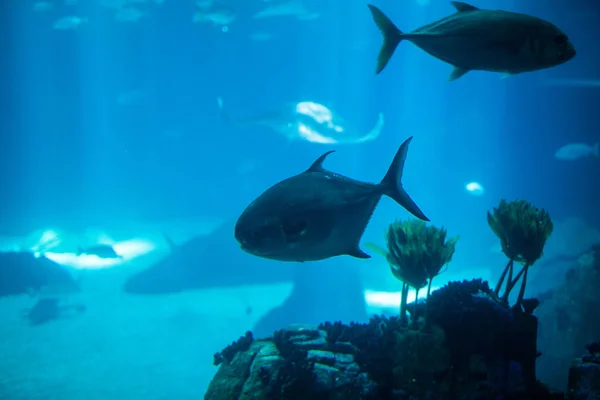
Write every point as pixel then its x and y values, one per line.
pixel 70 22
pixel 318 214
pixel 51 308
pixel 575 151
pixel 310 121
pixel 101 251
pixel 478 39
pixel 217 13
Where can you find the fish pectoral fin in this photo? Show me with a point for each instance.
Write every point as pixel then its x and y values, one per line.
pixel 456 73
pixel 358 253
pixel 462 7
pixel 506 75
pixel 377 249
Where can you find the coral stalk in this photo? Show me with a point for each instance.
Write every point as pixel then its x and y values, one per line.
pixel 502 277
pixel 523 284
pixel 403 299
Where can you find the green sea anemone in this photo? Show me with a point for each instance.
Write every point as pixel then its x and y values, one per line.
pixel 523 230
pixel 416 253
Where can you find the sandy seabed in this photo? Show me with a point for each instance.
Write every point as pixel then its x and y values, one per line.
pixel 125 346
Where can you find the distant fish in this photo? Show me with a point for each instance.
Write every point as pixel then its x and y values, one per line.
pixel 56 288
pixel 290 8
pixel 475 188
pixel 42 6
pixel 318 214
pixel 478 39
pixel 130 14
pixel 101 251
pixel 311 122
pixel 217 13
pixel 51 308
pixel 69 23
pixel 575 151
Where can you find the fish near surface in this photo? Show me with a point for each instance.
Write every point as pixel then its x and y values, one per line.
pixel 318 214
pixel 576 151
pixel 485 40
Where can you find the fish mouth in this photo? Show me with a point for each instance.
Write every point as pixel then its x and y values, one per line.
pixel 254 251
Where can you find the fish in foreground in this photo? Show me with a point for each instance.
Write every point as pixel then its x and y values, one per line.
pixel 575 151
pixel 318 214
pixel 484 40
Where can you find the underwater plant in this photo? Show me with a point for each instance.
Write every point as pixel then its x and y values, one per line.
pixel 416 253
pixel 523 230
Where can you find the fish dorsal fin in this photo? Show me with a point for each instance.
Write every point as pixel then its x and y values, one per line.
pixel 317 166
pixel 358 253
pixel 462 7
pixel 457 72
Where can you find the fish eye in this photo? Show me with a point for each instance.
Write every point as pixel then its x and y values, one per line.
pixel 561 39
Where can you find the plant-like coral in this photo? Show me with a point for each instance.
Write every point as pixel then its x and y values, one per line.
pixel 593 348
pixel 523 230
pixel 240 345
pixel 416 253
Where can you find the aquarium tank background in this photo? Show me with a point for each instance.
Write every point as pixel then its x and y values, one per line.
pixel 136 132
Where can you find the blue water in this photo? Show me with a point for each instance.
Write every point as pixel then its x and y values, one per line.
pixel 73 159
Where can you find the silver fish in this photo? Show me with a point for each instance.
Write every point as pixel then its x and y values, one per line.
pixel 318 214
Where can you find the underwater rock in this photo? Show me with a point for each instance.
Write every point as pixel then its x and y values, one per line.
pixel 22 272
pixel 296 363
pixel 584 375
pixel 474 348
pixel 565 316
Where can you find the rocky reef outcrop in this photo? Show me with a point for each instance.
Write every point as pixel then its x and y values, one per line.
pixel 568 316
pixel 584 375
pixel 466 345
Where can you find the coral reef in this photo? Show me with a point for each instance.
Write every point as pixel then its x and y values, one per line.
pixel 227 354
pixel 566 315
pixel 416 253
pixel 584 375
pixel 476 349
pixel 465 341
pixel 523 230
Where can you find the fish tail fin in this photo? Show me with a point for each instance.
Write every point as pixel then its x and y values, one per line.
pixel 374 133
pixel 596 149
pixel 392 183
pixel 172 245
pixel 392 36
